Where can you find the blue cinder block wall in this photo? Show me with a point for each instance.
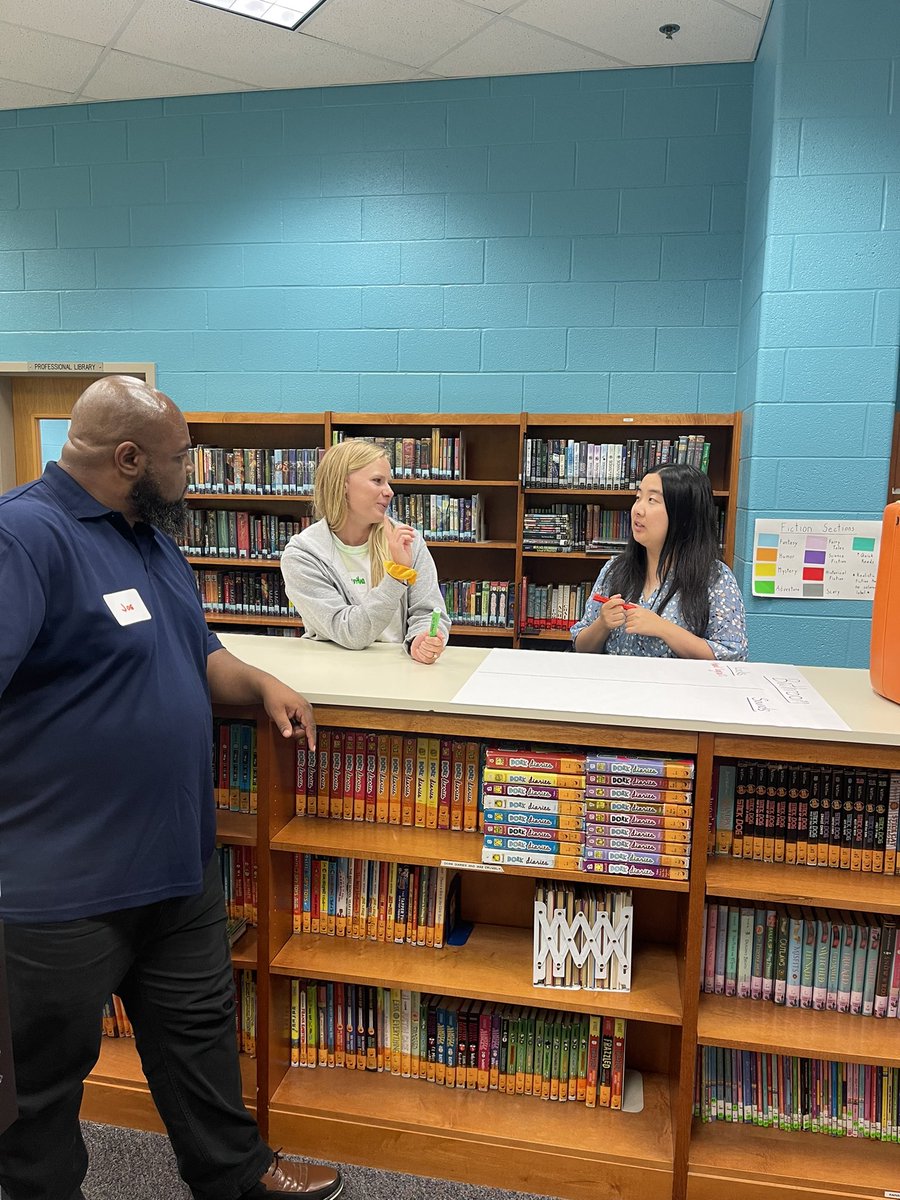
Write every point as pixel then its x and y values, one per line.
pixel 817 377
pixel 564 242
pixel 549 242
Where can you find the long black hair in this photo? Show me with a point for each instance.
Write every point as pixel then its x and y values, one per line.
pixel 689 557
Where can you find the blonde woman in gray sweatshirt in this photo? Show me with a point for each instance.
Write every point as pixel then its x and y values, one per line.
pixel 355 577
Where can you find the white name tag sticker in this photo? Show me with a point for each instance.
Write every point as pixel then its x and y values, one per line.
pixel 127 607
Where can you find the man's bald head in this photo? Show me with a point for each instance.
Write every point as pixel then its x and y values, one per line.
pixel 129 446
pixel 119 408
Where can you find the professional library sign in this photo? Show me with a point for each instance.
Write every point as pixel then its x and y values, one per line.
pixel 8 1109
pixel 66 368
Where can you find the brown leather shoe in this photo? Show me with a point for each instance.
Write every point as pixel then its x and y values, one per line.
pixel 300 1179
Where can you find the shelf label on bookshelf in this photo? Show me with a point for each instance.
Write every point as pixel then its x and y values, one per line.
pixel 76 368
pixel 470 866
pixel 893 1194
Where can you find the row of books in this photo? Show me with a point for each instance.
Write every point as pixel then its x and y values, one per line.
pixel 458 1043
pixel 239 880
pixel 545 606
pixel 235 784
pixel 815 1095
pixel 803 957
pixel 254 471
pixel 366 898
pixel 440 517
pixel 568 527
pixel 434 457
pixel 483 603
pixel 547 532
pixel 395 779
pixel 224 533
pixel 582 937
pixel 845 817
pixel 249 593
pixel 598 804
pixel 567 462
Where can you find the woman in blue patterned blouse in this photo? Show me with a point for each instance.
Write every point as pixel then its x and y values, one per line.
pixel 667 595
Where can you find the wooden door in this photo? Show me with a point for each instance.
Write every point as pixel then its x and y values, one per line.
pixel 37 398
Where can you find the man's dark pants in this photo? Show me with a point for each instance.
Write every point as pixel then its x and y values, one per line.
pixel 171 964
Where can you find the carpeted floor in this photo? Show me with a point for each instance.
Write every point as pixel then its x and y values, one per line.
pixel 130 1165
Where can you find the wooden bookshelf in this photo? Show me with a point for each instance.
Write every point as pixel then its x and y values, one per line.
pixel 493 469
pixel 773 1029
pixel 661 1152
pixel 116 1092
pixel 823 887
pixel 503 1141
pixel 494 964
pixel 745 1162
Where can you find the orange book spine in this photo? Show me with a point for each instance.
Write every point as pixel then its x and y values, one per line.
pixel 395 786
pixel 336 791
pixel 421 800
pixel 382 777
pixel 470 795
pixel 444 785
pixel 457 782
pixel 359 777
pixel 408 787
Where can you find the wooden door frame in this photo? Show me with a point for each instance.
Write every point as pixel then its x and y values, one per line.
pixel 20 443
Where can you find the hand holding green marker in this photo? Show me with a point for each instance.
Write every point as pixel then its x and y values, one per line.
pixel 435 623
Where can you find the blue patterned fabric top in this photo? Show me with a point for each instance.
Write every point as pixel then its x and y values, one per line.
pixel 726 631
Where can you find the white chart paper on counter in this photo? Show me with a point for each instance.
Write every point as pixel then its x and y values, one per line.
pixel 763 694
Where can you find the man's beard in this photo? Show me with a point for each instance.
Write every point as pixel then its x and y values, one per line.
pixel 149 505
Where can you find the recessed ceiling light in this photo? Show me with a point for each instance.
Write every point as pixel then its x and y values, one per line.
pixel 285 16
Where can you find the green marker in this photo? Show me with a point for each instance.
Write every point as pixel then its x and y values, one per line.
pixel 435 623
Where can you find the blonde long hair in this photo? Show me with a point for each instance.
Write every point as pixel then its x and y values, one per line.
pixel 330 499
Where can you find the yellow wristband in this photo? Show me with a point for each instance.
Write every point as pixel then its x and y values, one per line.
pixel 401 573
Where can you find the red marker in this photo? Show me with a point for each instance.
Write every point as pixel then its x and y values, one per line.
pixel 605 600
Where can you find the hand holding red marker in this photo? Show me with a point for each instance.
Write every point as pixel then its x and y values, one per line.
pixel 605 600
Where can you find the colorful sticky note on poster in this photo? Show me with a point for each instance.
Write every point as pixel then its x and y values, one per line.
pixel 815 560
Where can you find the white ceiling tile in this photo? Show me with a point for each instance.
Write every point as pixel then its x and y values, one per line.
pixel 409 31
pixel 127 77
pixel 88 20
pixel 759 8
pixel 49 48
pixel 25 95
pixel 496 6
pixel 506 48
pixel 44 59
pixel 628 31
pixel 206 39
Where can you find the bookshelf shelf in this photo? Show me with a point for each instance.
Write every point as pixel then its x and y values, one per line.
pixel 425 847
pixel 570 555
pixel 116 1092
pixel 236 499
pixel 234 828
pixel 772 1029
pixel 245 951
pixel 511 1141
pixel 215 618
pixel 746 1162
pixel 437 485
pixel 826 887
pixel 241 564
pixel 487 631
pixel 494 964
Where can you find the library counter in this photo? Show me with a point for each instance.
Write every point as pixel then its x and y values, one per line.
pixel 384 676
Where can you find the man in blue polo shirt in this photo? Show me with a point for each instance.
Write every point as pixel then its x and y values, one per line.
pixel 108 877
